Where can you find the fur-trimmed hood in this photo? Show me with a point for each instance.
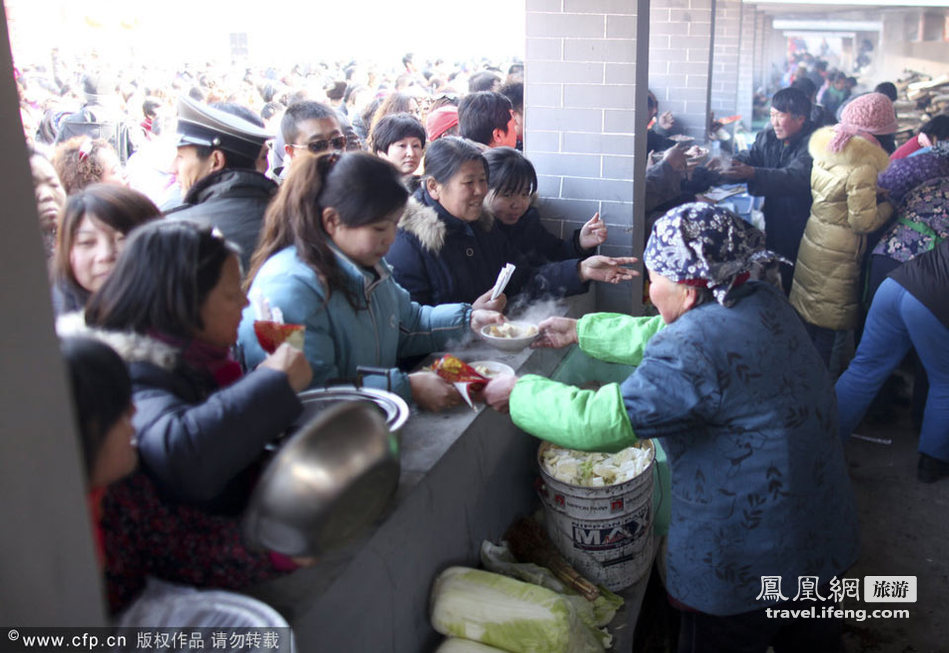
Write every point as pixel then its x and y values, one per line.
pixel 132 347
pixel 858 151
pixel 424 223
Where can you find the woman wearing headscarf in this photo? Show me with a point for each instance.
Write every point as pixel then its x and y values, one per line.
pixel 845 208
pixel 734 391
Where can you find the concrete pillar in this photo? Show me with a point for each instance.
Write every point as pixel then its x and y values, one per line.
pixel 680 60
pixel 585 95
pixel 775 54
pixel 49 575
pixel 746 65
pixel 724 86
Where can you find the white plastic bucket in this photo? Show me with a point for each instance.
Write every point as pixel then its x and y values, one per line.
pixel 604 532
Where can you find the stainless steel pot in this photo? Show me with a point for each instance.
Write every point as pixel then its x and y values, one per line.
pixel 333 477
pixel 391 406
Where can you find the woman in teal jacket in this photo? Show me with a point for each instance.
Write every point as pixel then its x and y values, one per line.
pixel 320 262
pixel 729 382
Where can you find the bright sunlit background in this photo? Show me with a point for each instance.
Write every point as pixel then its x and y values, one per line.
pixel 171 32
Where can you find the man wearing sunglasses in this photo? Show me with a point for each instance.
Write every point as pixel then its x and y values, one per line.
pixel 312 127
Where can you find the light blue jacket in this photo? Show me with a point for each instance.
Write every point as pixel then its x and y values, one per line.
pixel 747 415
pixel 388 326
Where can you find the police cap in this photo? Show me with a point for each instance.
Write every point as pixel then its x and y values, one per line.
pixel 199 124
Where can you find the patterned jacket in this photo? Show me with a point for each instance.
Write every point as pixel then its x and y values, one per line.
pixel 747 415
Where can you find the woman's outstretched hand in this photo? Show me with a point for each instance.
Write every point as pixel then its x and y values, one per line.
pixel 593 233
pixel 608 269
pixel 433 393
pixel 556 332
pixel 497 393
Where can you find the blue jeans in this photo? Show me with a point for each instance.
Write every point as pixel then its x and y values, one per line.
pixel 896 322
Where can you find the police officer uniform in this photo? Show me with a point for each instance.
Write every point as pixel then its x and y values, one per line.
pixel 232 199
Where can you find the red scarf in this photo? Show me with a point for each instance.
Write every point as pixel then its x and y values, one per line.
pixel 216 361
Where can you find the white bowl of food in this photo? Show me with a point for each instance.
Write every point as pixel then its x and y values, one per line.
pixel 510 336
pixel 491 369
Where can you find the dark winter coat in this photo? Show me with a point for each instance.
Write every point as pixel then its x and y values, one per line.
pixel 199 443
pixel 143 535
pixel 783 178
pixel 440 259
pixel 531 238
pixel 232 200
pixel 68 297
pixel 926 278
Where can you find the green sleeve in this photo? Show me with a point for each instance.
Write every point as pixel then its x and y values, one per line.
pixel 573 418
pixel 617 338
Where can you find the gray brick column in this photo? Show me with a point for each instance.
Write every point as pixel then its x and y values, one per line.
pixel 724 92
pixel 680 60
pixel 583 94
pixel 746 65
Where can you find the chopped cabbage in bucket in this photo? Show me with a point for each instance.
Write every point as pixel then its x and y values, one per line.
pixel 591 469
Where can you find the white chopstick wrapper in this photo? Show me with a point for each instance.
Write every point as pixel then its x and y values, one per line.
pixel 462 388
pixel 261 306
pixel 504 277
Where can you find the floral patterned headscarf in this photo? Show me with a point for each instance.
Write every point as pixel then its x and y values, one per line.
pixel 703 245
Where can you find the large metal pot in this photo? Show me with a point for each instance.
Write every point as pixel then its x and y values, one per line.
pixel 391 406
pixel 333 477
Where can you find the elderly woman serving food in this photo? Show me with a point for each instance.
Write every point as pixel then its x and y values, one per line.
pixel 729 382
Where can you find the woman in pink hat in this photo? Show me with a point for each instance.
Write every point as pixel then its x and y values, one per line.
pixel 846 207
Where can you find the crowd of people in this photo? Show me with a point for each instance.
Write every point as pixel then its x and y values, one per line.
pixel 378 213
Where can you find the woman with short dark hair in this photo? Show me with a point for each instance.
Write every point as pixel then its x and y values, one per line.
pixel 171 308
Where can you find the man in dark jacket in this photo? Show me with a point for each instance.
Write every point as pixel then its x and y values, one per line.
pixel 778 167
pixel 219 161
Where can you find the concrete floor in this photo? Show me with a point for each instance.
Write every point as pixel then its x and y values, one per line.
pixel 904 531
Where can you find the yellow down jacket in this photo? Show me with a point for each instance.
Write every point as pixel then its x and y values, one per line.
pixel 826 286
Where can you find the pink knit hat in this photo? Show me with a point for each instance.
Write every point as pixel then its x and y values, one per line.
pixel 867 114
pixel 441 120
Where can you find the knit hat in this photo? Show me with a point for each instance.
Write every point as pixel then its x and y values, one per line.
pixel 707 246
pixel 866 115
pixel 440 121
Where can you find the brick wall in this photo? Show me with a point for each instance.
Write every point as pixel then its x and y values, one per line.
pixel 583 94
pixel 680 50
pixel 724 83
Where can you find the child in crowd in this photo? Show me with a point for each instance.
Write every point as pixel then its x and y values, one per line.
pixel 137 533
pixel 512 183
pixel 320 261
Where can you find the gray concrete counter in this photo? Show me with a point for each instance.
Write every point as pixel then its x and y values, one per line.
pixel 466 475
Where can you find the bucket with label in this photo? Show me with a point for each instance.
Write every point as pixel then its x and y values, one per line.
pixel 605 531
